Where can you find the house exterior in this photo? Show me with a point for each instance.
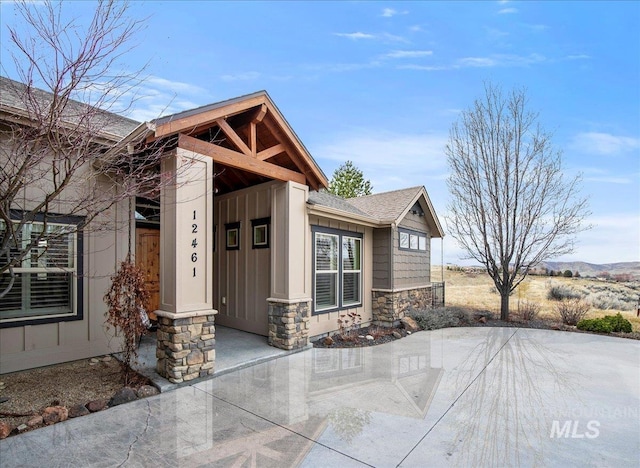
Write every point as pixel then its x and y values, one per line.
pixel 242 236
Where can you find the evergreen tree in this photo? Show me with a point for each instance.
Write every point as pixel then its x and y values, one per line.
pixel 348 182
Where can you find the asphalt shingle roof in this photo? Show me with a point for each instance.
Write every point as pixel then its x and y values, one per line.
pixel 386 206
pixel 113 126
pixel 334 201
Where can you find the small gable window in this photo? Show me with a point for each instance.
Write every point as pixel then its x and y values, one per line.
pixel 412 240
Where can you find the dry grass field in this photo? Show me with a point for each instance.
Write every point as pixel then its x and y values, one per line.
pixel 474 291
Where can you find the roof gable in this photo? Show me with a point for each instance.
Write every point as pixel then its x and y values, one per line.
pixel 383 208
pixel 246 135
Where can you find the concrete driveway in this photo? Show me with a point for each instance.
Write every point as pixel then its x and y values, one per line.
pixel 462 396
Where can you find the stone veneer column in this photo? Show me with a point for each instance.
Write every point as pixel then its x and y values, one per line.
pixel 186 347
pixel 288 324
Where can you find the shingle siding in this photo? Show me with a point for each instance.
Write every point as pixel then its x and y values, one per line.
pixel 411 267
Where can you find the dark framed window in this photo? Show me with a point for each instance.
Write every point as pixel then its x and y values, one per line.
pixel 48 282
pixel 337 269
pixel 260 233
pixel 232 236
pixel 412 240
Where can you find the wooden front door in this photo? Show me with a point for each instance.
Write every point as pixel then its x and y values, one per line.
pixel 148 259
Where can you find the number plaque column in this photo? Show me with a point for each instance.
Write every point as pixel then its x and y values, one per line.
pixel 186 331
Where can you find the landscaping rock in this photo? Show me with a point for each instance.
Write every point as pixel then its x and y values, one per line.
pixel 482 320
pixel 409 324
pixel 396 335
pixel 97 405
pixel 124 395
pixel 94 360
pixel 369 337
pixel 5 430
pixel 22 428
pixel 35 421
pixel 55 414
pixel 328 341
pixel 146 391
pixel 107 359
pixel 77 411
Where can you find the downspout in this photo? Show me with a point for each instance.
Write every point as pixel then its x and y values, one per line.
pixel 442 259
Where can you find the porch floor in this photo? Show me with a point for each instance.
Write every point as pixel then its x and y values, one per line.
pixel 235 350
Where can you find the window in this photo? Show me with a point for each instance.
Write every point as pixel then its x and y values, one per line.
pixel 47 286
pixel 412 240
pixel 233 236
pixel 260 239
pixel 337 269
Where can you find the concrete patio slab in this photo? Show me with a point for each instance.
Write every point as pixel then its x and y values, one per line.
pixel 463 396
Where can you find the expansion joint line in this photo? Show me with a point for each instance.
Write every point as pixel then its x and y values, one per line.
pixel 287 429
pixel 458 398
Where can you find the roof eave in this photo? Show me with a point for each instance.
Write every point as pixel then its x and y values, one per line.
pixel 340 215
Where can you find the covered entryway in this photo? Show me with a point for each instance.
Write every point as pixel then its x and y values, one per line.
pixel 232 235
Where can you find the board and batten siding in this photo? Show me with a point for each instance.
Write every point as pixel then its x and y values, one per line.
pixel 26 347
pixel 242 277
pixel 328 322
pixel 411 268
pixel 382 258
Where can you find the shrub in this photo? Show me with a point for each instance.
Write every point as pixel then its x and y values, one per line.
pixel 558 292
pixel 598 325
pixel 567 274
pixel 606 324
pixel 443 317
pixel 571 311
pixel 529 310
pixel 618 323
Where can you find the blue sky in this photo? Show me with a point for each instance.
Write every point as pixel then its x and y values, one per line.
pixel 380 83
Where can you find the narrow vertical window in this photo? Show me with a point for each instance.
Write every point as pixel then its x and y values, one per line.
pixel 326 280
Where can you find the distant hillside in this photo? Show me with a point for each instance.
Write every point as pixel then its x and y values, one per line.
pixel 592 269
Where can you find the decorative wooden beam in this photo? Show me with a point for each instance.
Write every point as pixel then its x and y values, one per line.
pixel 233 136
pixel 271 152
pixel 253 138
pixel 192 121
pixel 261 113
pixel 238 160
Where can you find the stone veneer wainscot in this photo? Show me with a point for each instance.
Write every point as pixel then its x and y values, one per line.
pixel 390 306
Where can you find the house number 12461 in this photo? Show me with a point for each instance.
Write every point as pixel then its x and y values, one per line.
pixel 194 242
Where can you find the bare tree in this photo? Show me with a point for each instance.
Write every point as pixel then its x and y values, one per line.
pixel 511 205
pixel 57 154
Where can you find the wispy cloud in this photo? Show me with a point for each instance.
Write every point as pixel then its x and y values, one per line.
pixel 507 11
pixel 355 35
pixel 389 12
pixel 578 57
pixel 244 76
pixel 389 159
pixel 401 54
pixel 501 60
pixel 604 144
pixel 608 180
pixel 384 36
pixel 495 60
pixel 159 96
